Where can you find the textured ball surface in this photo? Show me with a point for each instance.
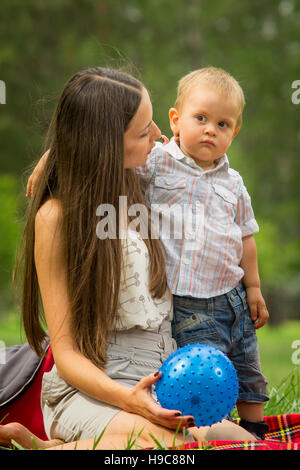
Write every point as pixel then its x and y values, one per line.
pixel 198 380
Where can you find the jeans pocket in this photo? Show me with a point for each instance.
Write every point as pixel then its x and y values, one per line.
pixel 54 388
pixel 191 327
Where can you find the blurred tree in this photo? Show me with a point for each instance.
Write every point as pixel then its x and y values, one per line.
pixel 43 42
pixel 10 229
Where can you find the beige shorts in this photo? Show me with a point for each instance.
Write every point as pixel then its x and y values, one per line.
pixel 70 414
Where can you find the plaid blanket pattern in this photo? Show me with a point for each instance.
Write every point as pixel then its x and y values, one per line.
pixel 284 434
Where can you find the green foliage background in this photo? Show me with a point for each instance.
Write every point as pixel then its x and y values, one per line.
pixel 43 42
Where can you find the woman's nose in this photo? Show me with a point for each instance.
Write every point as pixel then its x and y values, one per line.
pixel 156 132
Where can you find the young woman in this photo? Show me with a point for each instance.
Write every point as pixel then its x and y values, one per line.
pixel 104 299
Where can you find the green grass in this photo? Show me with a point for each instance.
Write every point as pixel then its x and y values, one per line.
pixel 11 331
pixel 276 357
pixel 284 399
pixel 275 344
pixel 276 352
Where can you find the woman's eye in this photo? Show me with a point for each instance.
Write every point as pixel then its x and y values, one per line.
pixel 145 135
pixel 223 124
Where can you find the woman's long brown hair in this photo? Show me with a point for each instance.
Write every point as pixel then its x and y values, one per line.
pixel 84 169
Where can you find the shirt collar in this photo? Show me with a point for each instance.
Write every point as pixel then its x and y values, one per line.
pixel 173 149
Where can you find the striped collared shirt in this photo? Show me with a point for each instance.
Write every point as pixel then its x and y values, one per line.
pixel 200 217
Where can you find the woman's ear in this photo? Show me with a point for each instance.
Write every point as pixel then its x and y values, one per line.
pixel 174 117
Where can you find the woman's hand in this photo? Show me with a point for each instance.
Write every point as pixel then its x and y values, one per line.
pixel 142 403
pixel 35 175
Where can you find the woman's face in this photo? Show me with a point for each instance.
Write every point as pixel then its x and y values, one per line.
pixel 139 138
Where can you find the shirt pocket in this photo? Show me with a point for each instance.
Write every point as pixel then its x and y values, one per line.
pixel 169 191
pixel 224 205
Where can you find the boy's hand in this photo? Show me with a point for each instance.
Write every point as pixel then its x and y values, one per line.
pixel 166 140
pixel 257 306
pixel 35 175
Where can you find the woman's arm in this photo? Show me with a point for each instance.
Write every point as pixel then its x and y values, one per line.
pixel 35 175
pixel 71 365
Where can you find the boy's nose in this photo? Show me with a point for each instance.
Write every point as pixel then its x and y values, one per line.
pixel 210 129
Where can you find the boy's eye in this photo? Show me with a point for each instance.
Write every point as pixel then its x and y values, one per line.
pixel 201 118
pixel 223 124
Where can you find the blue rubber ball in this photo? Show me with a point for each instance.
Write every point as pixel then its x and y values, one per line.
pixel 198 380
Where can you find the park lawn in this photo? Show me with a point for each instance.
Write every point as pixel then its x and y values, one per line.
pixel 11 331
pixel 276 351
pixel 276 357
pixel 275 344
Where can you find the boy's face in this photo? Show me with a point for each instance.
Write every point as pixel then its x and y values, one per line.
pixel 205 125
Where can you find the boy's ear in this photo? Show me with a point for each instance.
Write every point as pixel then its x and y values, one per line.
pixel 236 131
pixel 173 116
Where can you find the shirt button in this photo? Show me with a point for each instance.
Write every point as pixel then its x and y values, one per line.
pixel 186 261
pixel 47 402
pixel 161 344
pixel 198 203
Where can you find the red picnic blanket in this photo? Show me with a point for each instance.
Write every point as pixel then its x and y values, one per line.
pixel 284 434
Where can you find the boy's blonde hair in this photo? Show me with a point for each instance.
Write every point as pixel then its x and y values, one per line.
pixel 213 77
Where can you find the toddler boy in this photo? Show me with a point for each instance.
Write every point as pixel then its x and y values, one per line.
pixel 211 263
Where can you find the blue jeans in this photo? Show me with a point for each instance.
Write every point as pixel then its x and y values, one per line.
pixel 224 322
